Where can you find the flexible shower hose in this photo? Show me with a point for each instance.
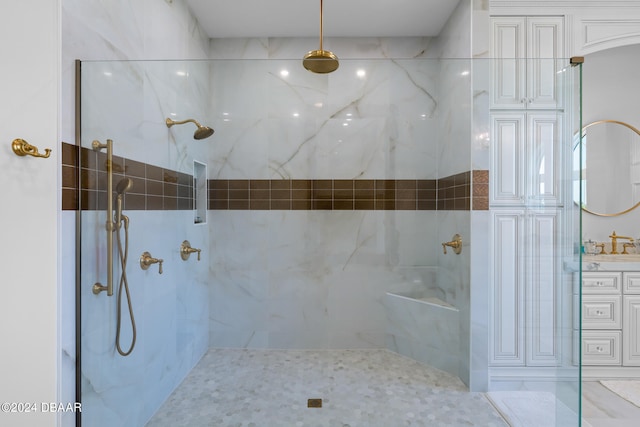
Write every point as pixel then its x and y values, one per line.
pixel 124 284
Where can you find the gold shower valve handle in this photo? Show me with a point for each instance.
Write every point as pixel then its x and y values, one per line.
pixel 23 148
pixel 456 244
pixel 146 260
pixel 186 250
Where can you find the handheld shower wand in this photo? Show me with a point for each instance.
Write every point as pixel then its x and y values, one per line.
pixel 123 186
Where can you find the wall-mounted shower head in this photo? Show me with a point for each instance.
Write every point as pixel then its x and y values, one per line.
pixel 201 133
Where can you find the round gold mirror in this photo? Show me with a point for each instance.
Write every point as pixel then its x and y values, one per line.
pixel 607 168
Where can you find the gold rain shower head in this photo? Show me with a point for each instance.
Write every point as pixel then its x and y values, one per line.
pixel 320 61
pixel 201 133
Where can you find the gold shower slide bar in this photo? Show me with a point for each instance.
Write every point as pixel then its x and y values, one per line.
pixel 98 287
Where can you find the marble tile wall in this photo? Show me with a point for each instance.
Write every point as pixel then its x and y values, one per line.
pixel 317 279
pixel 287 279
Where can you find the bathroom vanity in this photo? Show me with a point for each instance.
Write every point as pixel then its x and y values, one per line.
pixel 610 318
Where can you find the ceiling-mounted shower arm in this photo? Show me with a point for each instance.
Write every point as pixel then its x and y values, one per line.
pixel 201 133
pixel 320 61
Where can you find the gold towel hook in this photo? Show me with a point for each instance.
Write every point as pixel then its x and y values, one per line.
pixel 22 148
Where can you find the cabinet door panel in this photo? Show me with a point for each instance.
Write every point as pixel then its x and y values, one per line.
pixel 542 287
pixel 508 43
pixel 601 348
pixel 600 282
pixel 507 159
pixel 507 290
pixel 631 283
pixel 601 311
pixel 631 331
pixel 544 154
pixel 544 43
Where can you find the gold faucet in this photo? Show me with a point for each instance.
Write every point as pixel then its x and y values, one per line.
pixel 614 243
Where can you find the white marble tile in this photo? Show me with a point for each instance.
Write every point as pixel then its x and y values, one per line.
pixel 169 341
pixel 353 384
pixel 437 345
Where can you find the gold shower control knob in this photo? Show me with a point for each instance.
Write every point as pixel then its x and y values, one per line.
pixel 186 250
pixel 146 260
pixel 456 244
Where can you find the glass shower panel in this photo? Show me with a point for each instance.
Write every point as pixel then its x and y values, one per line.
pixel 143 307
pixel 535 241
pixel 569 390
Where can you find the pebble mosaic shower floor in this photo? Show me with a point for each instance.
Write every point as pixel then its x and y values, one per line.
pixel 358 388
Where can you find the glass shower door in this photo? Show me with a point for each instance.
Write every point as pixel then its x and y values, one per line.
pixel 142 296
pixel 535 241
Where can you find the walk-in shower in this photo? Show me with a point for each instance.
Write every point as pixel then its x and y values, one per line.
pixel 327 199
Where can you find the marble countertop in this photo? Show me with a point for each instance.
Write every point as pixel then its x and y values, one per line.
pixel 630 262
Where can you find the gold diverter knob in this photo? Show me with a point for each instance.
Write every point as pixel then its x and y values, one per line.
pixel 456 244
pixel 146 260
pixel 186 250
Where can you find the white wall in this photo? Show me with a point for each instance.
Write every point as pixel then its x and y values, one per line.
pixel 611 92
pixel 29 306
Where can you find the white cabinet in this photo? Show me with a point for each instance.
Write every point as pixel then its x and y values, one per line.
pixel 525 269
pixel 526 159
pixel 526 69
pixel 610 318
pixel 506 299
pixel 525 191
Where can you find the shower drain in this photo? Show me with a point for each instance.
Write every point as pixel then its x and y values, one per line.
pixel 314 403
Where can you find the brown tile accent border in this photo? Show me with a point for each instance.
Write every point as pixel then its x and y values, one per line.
pixel 84 182
pixel 155 188
pixel 480 185
pixel 450 193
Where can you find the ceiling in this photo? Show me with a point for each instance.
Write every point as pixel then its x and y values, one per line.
pixel 342 18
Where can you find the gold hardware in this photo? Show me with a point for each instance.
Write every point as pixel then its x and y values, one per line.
pixel 456 244
pixel 186 250
pixel 22 148
pixel 601 246
pixel 583 135
pixel 109 226
pixel 97 288
pixel 146 260
pixel 201 133
pixel 627 245
pixel 614 242
pixel 320 61
pixel 575 60
pixel 314 403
